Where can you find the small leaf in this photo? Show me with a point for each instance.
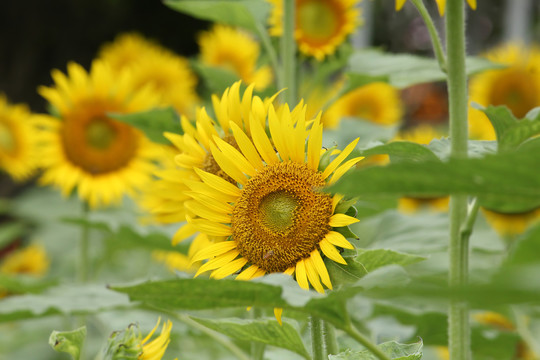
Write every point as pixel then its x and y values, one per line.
pixel 341 274
pixel 516 135
pixel 153 123
pixel 216 78
pixel 265 331
pixel 500 117
pixel 248 14
pixel 70 342
pixel 374 259
pixel 392 349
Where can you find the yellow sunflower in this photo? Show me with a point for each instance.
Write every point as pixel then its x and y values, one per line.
pixel 517 86
pixel 321 25
pixel 152 65
pixel 86 149
pixel 155 349
pixel 422 134
pixel 377 102
pixel 235 50
pixel 441 4
pixel 273 214
pixel 30 260
pixel 511 224
pixel 18 140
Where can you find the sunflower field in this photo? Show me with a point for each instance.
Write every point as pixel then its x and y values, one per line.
pixel 314 179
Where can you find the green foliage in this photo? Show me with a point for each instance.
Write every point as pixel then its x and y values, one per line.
pixel 153 123
pixel 217 79
pixel 393 349
pixel 10 232
pixel 268 332
pixel 374 259
pixel 401 151
pixel 403 70
pixel 248 14
pixel 123 345
pixel 70 342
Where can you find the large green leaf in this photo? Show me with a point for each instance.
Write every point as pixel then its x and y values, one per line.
pixel 153 123
pixel 392 349
pixel 500 117
pixel 504 180
pixel 61 300
pixel 374 259
pixel 249 14
pixel 401 151
pixel 269 332
pixel 19 284
pixel 403 70
pixel 70 342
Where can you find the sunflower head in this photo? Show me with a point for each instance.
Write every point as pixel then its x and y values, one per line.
pixel 87 149
pixel 517 86
pixel 31 260
pixel 274 215
pixel 321 25
pixel 164 72
pixel 235 50
pixel 511 224
pixel 18 140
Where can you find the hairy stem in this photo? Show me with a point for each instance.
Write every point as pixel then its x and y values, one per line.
pixel 330 339
pixel 362 339
pixel 317 342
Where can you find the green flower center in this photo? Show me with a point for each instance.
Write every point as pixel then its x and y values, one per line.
pixel 100 134
pixel 317 19
pixel 7 141
pixel 276 210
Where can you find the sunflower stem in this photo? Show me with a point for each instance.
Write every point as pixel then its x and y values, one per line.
pixel 317 343
pixel 257 348
pixel 330 340
pixel 84 245
pixel 433 34
pixel 288 52
pixel 362 339
pixel 458 317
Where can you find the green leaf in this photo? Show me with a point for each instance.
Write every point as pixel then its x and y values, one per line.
pixel 354 81
pixel 500 117
pixel 401 151
pixel 70 342
pixel 403 70
pixel 475 148
pixel 248 14
pixel 516 135
pixel 20 284
pixel 374 259
pixel 153 123
pixel 10 232
pixel 504 179
pixel 61 300
pixel 217 79
pixel 341 274
pixel 265 331
pixel 393 349
pixel 526 248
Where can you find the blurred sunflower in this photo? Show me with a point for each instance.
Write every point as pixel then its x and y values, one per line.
pixel 86 149
pixel 441 4
pixel 511 224
pixel 235 50
pixel 18 140
pixel 422 134
pixel 321 25
pixel 155 349
pixel 273 213
pixel 517 86
pixel 152 65
pixel 376 102
pixel 30 260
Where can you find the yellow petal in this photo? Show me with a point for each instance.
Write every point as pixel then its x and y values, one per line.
pixel 207 213
pixel 229 269
pixel 214 250
pixel 247 147
pixel 339 220
pixel 228 165
pixel 211 228
pixel 210 202
pixel 335 200
pixel 276 130
pixel 235 156
pixel 318 263
pixel 339 159
pixel 313 276
pixel 218 183
pixel 301 276
pixel 183 233
pixel 248 273
pixel 218 261
pixel 472 4
pixel 338 239
pixel 343 169
pixel 399 4
pixel 261 142
pixel 441 4
pixel 277 314
pixel 331 252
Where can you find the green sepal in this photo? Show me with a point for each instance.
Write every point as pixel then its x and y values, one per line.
pixel 123 345
pixel 70 342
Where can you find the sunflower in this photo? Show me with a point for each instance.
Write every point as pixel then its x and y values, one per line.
pixel 154 350
pixel 422 134
pixel 85 148
pixel 377 102
pixel 511 224
pixel 18 140
pixel 152 65
pixel 321 25
pixel 517 86
pixel 441 4
pixel 273 214
pixel 235 50
pixel 30 260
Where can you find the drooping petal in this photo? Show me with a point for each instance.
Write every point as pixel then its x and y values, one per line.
pixel 339 220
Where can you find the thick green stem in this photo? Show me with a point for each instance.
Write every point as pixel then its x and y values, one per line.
pixel 84 247
pixel 288 52
pixel 330 340
pixel 362 339
pixel 458 317
pixel 257 348
pixel 433 34
pixel 317 342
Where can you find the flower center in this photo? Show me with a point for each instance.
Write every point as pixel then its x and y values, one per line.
pixel 515 89
pixel 97 144
pixel 317 19
pixel 7 140
pixel 281 216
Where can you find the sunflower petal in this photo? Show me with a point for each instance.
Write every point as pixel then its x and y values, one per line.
pixel 339 159
pixel 301 276
pixel 318 263
pixel 339 220
pixel 214 250
pixel 229 269
pixel 331 252
pixel 338 239
pixel 313 276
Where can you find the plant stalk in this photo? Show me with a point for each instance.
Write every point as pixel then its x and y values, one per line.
pixel 433 34
pixel 257 348
pixel 458 317
pixel 288 52
pixel 330 340
pixel 362 339
pixel 84 260
pixel 317 342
